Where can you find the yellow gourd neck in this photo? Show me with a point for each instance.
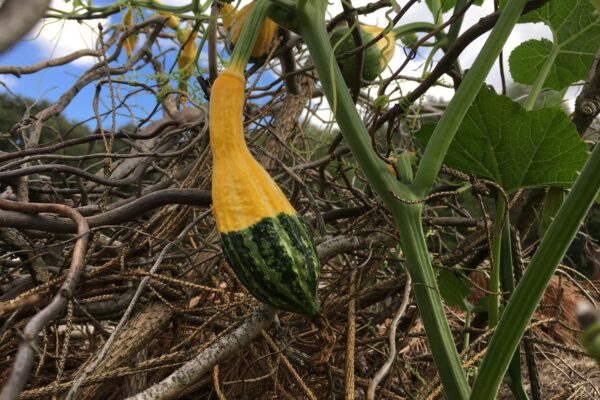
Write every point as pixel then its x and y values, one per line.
pixel 243 192
pixel 226 110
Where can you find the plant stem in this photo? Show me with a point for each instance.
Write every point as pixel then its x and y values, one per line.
pixel 467 335
pixel 494 306
pixel 457 108
pixel 507 284
pixel 530 289
pixel 252 26
pixel 407 216
pixel 415 27
pixel 506 262
pixel 537 86
pixel 436 10
pixel 456 25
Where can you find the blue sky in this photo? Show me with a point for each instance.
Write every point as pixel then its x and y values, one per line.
pixel 61 38
pixel 48 84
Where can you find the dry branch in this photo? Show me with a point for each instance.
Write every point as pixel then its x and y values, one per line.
pixel 24 360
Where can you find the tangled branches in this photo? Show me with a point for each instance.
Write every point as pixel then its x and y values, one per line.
pixel 127 287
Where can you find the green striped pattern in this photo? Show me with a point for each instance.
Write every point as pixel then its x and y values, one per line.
pixel 276 261
pixel 371 56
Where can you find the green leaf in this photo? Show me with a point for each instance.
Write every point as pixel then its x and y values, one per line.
pixel 591 341
pixel 447 5
pixel 483 305
pixel 554 98
pixel 501 141
pixel 576 37
pixel 454 290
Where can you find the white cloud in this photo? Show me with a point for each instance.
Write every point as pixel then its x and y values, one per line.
pixel 57 38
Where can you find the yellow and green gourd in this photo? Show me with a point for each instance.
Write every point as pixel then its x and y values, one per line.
pixel 172 21
pixel 263 238
pixel 185 60
pixel 375 58
pixel 233 22
pixel 131 40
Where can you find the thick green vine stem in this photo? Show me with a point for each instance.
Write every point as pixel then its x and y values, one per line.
pixel 308 21
pixel 530 289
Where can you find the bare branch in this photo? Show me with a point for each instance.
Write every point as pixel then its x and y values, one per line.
pixel 126 212
pixel 178 381
pixel 385 368
pixel 24 359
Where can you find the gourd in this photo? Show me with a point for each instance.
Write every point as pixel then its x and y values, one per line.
pixel 172 21
pixel 375 58
pixel 185 60
pixel 262 236
pixel 132 39
pixel 233 22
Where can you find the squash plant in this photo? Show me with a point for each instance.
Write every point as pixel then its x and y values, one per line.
pixel 404 198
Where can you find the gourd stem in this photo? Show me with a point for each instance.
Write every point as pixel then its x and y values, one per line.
pixel 415 27
pixel 252 26
pixel 407 214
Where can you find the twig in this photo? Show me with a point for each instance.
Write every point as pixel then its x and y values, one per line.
pixel 115 334
pixel 216 383
pixel 385 368
pixel 350 340
pixel 587 105
pixel 173 385
pixel 288 365
pixel 24 359
pixel 124 213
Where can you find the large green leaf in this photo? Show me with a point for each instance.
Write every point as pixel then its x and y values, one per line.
pixel 575 30
pixel 501 141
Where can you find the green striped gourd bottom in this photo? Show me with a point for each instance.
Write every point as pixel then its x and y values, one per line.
pixel 275 259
